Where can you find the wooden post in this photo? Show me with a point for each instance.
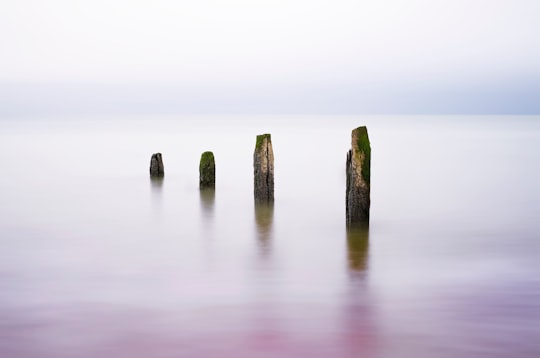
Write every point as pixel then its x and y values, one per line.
pixel 263 168
pixel 156 166
pixel 358 168
pixel 207 171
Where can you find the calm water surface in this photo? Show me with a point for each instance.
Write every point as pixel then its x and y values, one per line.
pixel 97 260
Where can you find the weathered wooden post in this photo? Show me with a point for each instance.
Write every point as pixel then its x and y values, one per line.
pixel 357 197
pixel 207 171
pixel 156 166
pixel 263 168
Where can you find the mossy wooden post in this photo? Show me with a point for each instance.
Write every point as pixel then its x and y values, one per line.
pixel 263 168
pixel 207 171
pixel 357 197
pixel 156 166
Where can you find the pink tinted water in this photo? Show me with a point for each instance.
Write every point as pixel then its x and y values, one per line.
pixel 98 260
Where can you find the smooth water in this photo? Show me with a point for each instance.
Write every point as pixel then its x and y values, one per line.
pixel 97 260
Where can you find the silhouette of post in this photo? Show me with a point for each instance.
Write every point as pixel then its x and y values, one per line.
pixel 156 166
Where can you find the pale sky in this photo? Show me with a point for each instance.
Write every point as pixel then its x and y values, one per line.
pixel 270 56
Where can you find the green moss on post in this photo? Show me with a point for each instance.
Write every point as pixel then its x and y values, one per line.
pixel 260 140
pixel 207 170
pixel 363 146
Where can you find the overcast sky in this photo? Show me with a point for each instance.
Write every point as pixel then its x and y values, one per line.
pixel 270 56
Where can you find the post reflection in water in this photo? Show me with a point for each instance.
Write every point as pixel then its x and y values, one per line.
pixel 264 219
pixel 266 320
pixel 358 316
pixel 157 184
pixel 156 187
pixel 357 252
pixel 208 198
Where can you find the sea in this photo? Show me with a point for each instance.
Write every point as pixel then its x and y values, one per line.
pixel 99 260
